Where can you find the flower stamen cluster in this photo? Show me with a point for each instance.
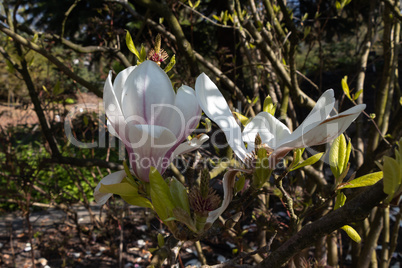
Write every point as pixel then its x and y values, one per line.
pixel 158 54
pixel 158 57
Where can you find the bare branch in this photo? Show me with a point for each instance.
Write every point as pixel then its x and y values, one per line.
pixel 354 210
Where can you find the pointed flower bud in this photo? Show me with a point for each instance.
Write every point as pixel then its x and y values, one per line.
pixel 204 184
pixel 203 205
pixel 258 140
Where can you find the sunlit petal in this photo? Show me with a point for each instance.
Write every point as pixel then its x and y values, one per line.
pixel 320 112
pixel 269 128
pixel 186 113
pixel 215 107
pixel 327 130
pixel 191 145
pixel 147 95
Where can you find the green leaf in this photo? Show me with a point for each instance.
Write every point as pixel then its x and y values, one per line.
pixel 69 101
pixel 161 240
pixel 269 106
pixel 239 184
pixel 338 5
pixel 306 31
pixel 172 62
pixel 347 155
pixel 216 17
pixel 398 153
pixel 309 161
pixel 190 4
pixel 182 216
pixel 208 125
pixel 255 100
pixel 225 17
pixel 340 200
pixel 352 233
pixel 129 177
pixel 137 200
pixel 31 61
pixel 297 157
pixel 243 119
pixel 231 19
pixel 337 156
pixel 197 4
pixel 304 17
pixel 130 45
pixel 345 86
pixel 262 171
pixel 122 188
pixel 85 119
pixel 392 176
pixel 35 38
pixel 357 94
pixel 57 90
pixel 127 192
pixel 366 180
pixel 160 195
pixel 10 66
pixel 276 8
pixel 346 2
pixel 143 54
pixel 179 195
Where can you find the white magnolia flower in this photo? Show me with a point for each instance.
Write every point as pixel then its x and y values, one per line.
pixel 318 127
pixel 150 118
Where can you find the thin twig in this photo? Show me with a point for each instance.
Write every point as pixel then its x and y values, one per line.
pixel 206 18
pixel 63 24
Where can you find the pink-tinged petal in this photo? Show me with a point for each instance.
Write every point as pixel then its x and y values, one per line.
pixel 149 145
pixel 215 107
pixel 191 145
pixel 112 178
pixel 269 128
pixel 147 95
pixel 320 112
pixel 186 113
pixel 324 132
pixel 228 184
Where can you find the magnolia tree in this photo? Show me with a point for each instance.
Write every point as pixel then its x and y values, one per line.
pixel 156 124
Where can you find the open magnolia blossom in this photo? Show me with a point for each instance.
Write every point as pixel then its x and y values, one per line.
pixel 152 121
pixel 318 127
